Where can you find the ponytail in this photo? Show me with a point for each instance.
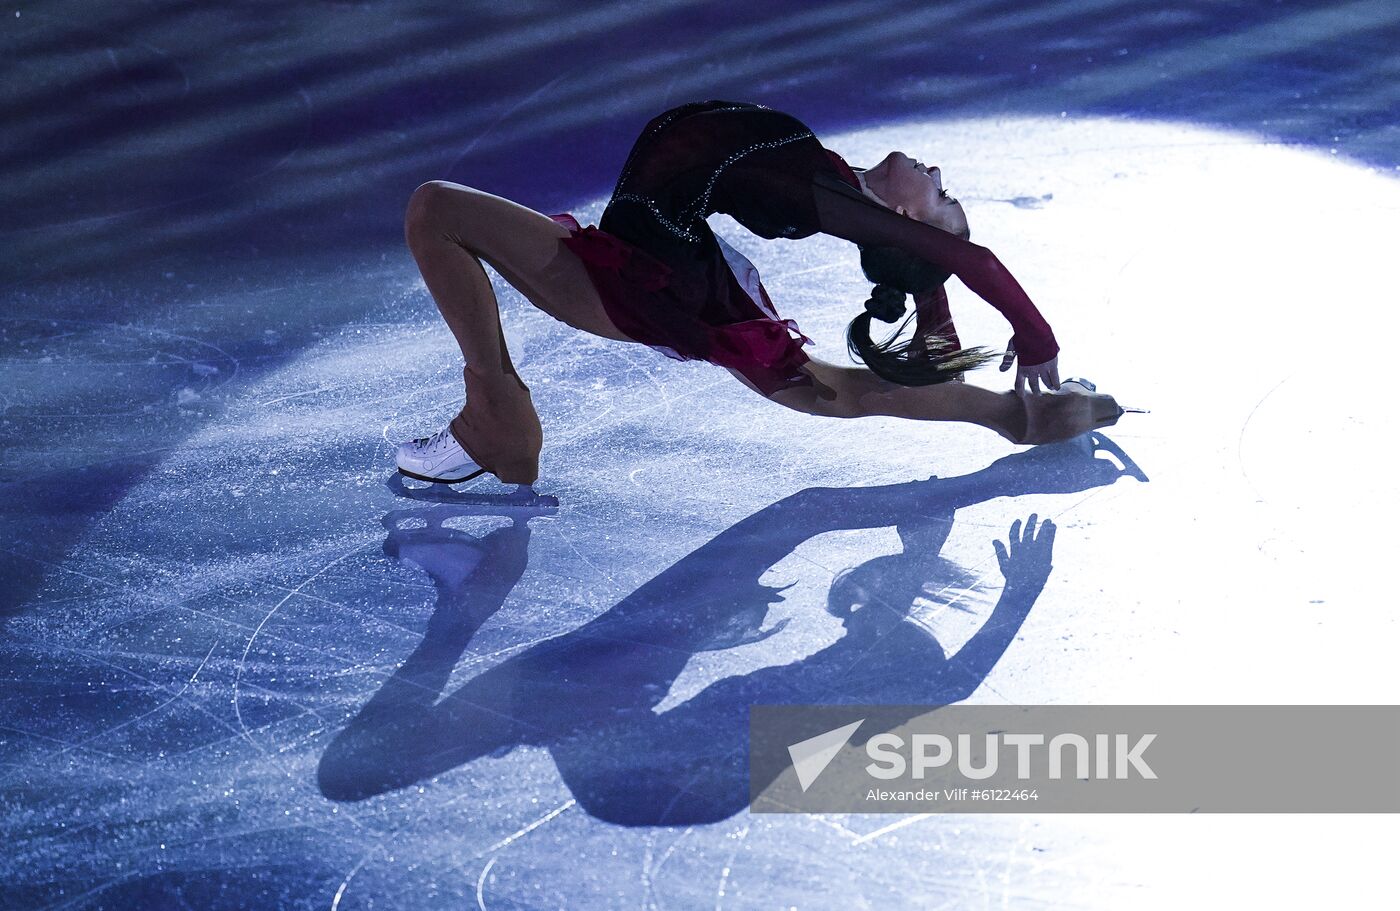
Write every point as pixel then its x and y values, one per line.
pixel 911 362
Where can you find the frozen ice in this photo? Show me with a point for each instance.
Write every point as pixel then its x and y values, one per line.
pixel 247 665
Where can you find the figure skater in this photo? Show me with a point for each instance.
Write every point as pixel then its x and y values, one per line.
pixel 652 271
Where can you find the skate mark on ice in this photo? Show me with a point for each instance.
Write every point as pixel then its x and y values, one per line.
pixel 150 686
pixel 367 615
pixel 521 833
pixel 1239 443
pixel 892 827
pixel 66 744
pixel 387 837
pixel 243 661
pixel 495 850
pixel 297 395
pixel 729 865
pixel 82 744
pixel 481 882
pixel 649 873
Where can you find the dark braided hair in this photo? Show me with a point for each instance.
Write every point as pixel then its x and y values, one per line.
pixel 897 273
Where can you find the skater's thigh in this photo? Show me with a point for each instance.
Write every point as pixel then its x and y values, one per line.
pixel 522 245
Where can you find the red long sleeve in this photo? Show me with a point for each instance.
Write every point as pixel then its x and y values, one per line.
pixel 847 213
pixel 933 318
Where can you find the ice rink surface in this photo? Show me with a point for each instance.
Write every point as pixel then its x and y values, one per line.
pixel 245 666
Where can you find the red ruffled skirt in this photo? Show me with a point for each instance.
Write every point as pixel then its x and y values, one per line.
pixel 740 330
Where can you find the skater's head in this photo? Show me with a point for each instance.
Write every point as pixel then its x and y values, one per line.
pixel 916 191
pixel 911 188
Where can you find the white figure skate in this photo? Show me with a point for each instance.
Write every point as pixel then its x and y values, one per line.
pixel 438 458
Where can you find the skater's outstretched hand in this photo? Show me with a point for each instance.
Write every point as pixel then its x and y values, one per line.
pixel 1032 375
pixel 1026 563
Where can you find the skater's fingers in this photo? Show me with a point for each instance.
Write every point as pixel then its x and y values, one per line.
pixel 1020 382
pixel 1053 374
pixel 1046 538
pixel 1015 533
pixel 1030 530
pixel 1035 384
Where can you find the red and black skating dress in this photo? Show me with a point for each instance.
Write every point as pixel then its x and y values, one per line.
pixel 668 281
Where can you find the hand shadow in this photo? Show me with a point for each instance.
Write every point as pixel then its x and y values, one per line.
pixel 589 695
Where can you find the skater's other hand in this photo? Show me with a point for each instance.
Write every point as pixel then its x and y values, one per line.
pixel 1026 564
pixel 1032 375
pixel 1036 374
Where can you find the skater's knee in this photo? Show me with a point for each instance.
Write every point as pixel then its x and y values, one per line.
pixel 423 208
pixel 438 209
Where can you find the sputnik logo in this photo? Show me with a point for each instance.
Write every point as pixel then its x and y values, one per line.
pixel 810 757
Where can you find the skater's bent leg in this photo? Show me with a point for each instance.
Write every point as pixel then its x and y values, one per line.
pixel 857 392
pixel 518 242
pixel 448 228
pixel 452 230
pixel 461 289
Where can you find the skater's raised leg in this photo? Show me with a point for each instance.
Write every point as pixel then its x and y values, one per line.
pixel 851 392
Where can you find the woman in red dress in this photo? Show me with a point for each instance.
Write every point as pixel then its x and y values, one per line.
pixel 652 271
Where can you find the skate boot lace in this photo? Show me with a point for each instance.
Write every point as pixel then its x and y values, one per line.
pixel 443 439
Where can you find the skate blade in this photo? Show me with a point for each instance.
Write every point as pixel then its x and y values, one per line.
pixel 523 497
pixel 422 477
pixel 1126 409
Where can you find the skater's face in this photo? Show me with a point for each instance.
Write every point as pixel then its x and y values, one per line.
pixel 909 186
